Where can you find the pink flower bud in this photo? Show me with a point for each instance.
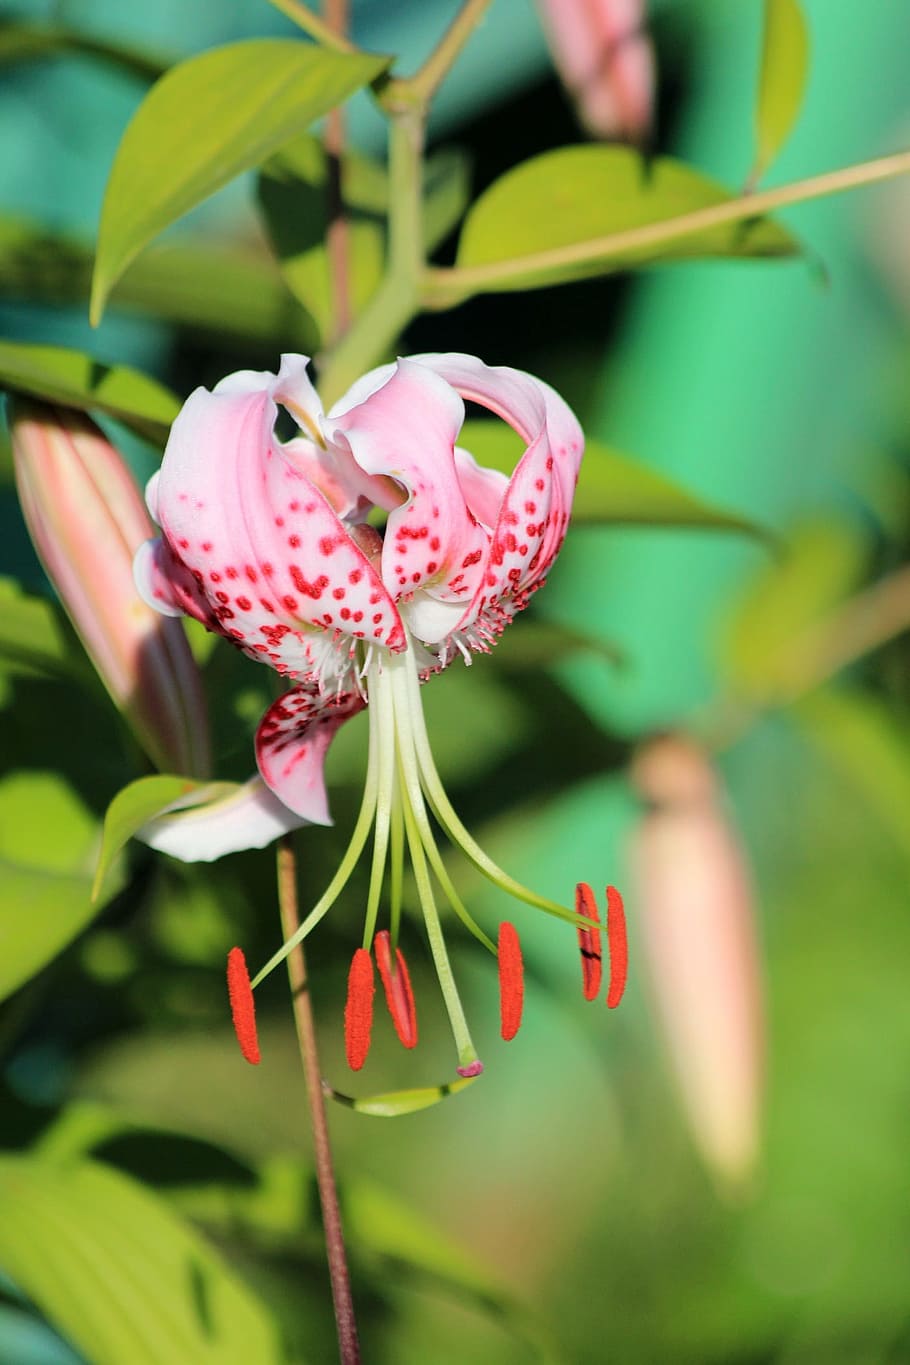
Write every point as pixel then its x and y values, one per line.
pixel 697 922
pixel 606 62
pixel 87 520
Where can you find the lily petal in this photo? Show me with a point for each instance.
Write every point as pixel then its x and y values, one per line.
pixel 262 543
pixel 250 817
pixel 406 429
pixel 291 744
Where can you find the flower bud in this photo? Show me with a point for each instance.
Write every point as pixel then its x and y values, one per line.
pixel 87 519
pixel 606 62
pixel 696 913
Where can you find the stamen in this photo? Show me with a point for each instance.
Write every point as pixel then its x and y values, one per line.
pixel 511 980
pixel 243 1010
pixel 589 941
pixel 358 1011
pixel 397 984
pixel 618 945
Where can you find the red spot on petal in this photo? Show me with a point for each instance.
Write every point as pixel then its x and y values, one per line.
pixel 619 947
pixel 511 980
pixel 589 941
pixel 396 982
pixel 243 1010
pixel 358 1011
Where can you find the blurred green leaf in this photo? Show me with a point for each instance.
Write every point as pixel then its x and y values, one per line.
pixel 47 839
pixel 202 124
pixel 613 489
pixel 21 42
pixel 119 1274
pixel 575 196
pixel 212 287
pixel 35 636
pixel 823 561
pixel 394 1103
pixel 138 803
pixel 446 192
pixel 870 744
pixel 537 644
pixel 78 381
pixel 782 79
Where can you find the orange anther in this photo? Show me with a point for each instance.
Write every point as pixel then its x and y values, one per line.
pixel 243 1010
pixel 589 941
pixel 358 1011
pixel 618 945
pixel 511 980
pixel 397 984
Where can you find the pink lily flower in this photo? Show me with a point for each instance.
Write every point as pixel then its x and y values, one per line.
pixel 605 58
pixel 275 546
pixel 87 520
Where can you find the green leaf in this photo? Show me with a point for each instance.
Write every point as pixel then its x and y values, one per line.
pixel 35 636
pixel 139 802
pixel 861 735
pixel 219 289
pixel 763 641
pixel 24 42
pixel 79 381
pixel 613 489
pixel 119 1274
pixel 47 842
pixel 782 79
pixel 582 199
pixel 206 121
pixel 446 192
pixel 394 1103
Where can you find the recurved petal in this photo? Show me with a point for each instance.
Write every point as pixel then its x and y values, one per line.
pixel 291 744
pixel 250 817
pixel 262 543
pixel 406 429
pixel 535 508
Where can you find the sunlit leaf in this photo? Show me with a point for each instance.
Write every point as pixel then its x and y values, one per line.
pixel 863 737
pixel 579 197
pixel 119 1274
pixel 613 489
pixel 79 381
pixel 202 124
pixel 138 803
pixel 394 1103
pixel 782 78
pixel 766 632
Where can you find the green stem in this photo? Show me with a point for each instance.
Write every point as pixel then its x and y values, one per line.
pixel 444 287
pixel 311 23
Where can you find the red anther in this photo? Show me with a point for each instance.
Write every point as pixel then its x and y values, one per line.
pixel 618 945
pixel 397 984
pixel 243 1010
pixel 358 1011
pixel 511 980
pixel 589 941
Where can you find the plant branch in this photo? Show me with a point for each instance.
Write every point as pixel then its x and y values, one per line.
pixel 317 28
pixel 444 287
pixel 348 1346
pixel 422 86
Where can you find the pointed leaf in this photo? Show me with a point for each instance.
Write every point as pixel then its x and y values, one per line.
pixel 581 198
pixel 36 637
pixel 202 124
pixel 79 381
pixel 613 489
pixel 140 802
pixel 782 79
pixel 394 1103
pixel 120 1275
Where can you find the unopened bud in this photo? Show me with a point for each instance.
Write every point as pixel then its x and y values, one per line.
pixel 87 519
pixel 695 906
pixel 605 59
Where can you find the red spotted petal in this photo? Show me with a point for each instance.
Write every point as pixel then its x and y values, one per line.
pixel 291 744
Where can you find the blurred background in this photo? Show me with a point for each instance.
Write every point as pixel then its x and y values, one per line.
pixel 717 1171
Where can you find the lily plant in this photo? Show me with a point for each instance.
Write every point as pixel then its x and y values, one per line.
pixel 358 559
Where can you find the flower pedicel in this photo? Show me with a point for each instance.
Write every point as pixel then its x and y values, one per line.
pixel 275 546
